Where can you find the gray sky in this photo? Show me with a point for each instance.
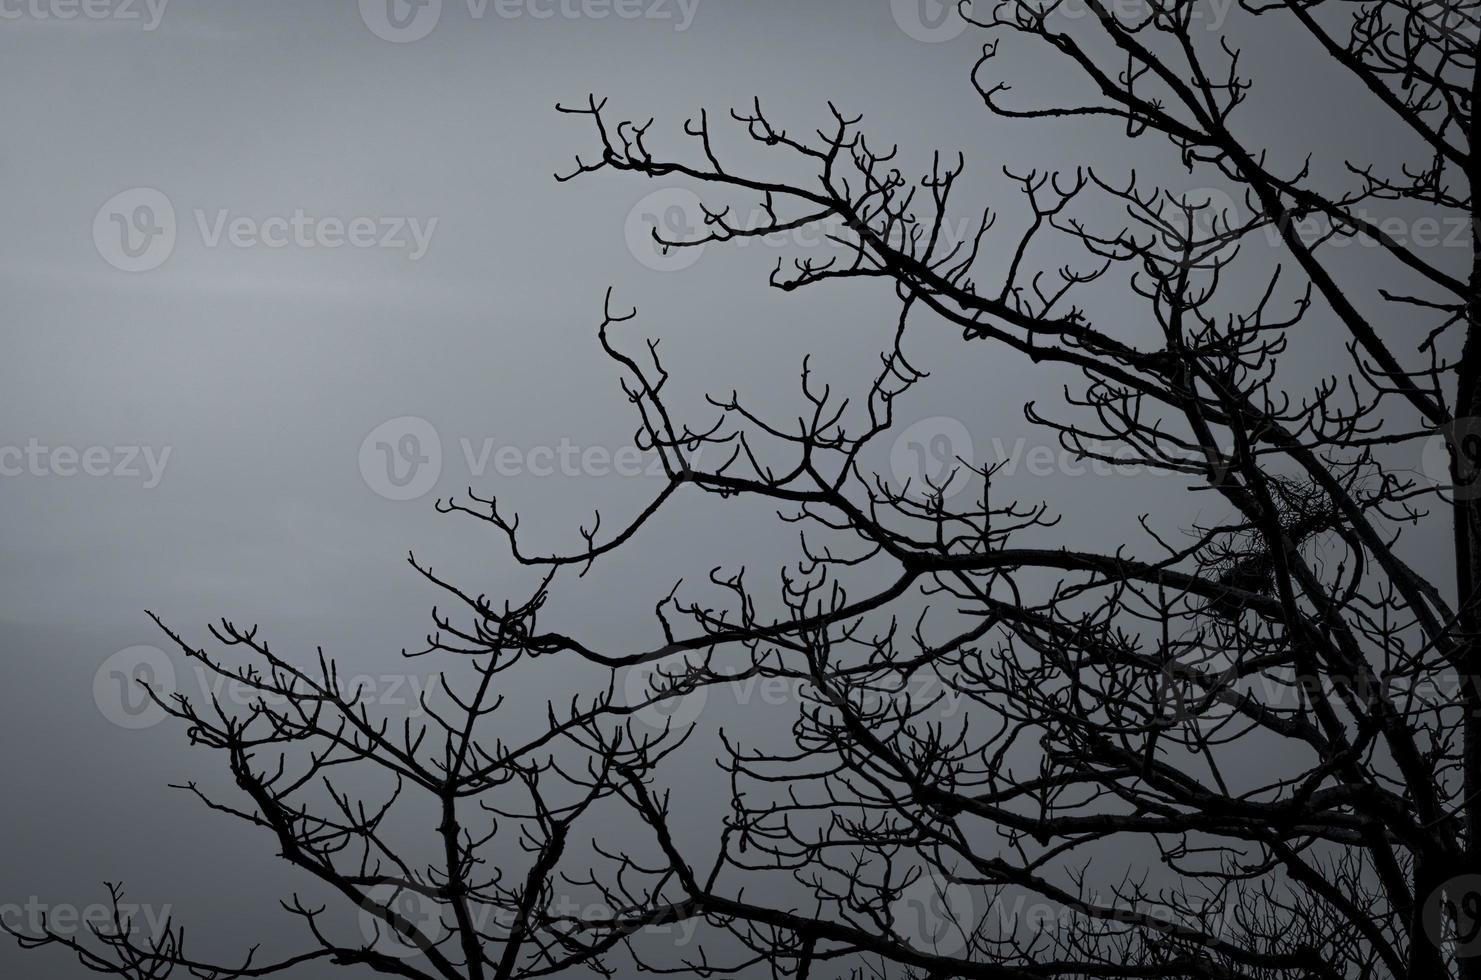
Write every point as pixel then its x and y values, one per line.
pixel 225 397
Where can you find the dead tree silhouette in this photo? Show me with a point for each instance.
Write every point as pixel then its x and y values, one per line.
pixel 889 836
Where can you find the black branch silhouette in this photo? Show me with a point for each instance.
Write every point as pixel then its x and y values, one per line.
pixel 1103 704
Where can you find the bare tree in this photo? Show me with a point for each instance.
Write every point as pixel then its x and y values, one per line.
pixel 1101 703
